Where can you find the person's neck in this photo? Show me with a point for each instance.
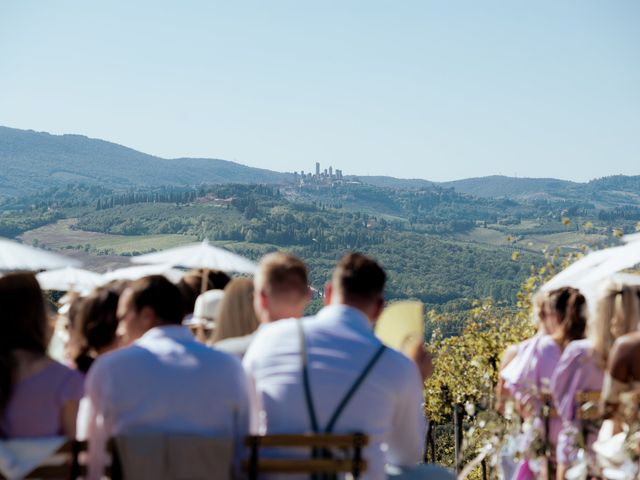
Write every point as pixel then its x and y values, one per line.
pixel 558 337
pixel 28 362
pixel 274 316
pixel 22 355
pixel 364 309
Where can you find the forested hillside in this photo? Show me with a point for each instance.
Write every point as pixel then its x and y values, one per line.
pixel 439 246
pixel 446 244
pixel 30 160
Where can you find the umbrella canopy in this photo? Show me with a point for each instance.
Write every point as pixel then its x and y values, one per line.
pixel 574 273
pixel 627 279
pixel 588 273
pixel 69 278
pixel 200 255
pixel 134 273
pixel 624 257
pixel 631 237
pixel 17 256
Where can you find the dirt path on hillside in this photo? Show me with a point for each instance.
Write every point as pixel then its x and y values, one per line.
pixel 59 235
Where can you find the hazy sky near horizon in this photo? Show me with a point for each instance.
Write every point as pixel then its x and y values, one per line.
pixel 439 90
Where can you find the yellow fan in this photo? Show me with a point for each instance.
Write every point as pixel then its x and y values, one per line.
pixel 401 324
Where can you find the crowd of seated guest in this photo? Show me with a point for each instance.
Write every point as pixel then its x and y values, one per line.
pixel 135 367
pixel 151 357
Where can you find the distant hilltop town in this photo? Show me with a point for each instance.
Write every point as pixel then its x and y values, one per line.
pixel 327 177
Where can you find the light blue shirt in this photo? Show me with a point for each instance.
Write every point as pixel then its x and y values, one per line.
pixel 340 342
pixel 165 382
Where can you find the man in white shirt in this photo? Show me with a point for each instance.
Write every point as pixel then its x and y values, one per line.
pixel 337 346
pixel 165 381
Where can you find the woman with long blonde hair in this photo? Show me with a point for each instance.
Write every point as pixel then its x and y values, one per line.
pixel 236 321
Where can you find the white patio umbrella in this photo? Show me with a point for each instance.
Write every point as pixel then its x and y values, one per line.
pixel 623 257
pixel 574 273
pixel 627 278
pixel 200 255
pixel 588 273
pixel 134 273
pixel 69 278
pixel 17 256
pixel 631 237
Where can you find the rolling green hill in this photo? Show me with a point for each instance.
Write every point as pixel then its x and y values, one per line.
pixel 617 190
pixel 32 160
pixel 501 186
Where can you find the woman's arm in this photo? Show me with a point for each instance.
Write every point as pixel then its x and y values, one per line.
pixel 69 414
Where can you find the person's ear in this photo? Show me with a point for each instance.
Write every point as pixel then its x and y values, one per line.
pixel 148 318
pixel 328 293
pixel 263 299
pixel 377 309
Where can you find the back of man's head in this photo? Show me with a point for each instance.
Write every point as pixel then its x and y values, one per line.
pixel 159 294
pixel 358 280
pixel 281 287
pixel 281 273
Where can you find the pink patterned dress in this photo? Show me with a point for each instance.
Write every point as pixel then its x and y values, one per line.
pixel 36 402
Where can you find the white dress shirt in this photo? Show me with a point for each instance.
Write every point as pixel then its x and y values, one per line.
pixel 165 382
pixel 340 342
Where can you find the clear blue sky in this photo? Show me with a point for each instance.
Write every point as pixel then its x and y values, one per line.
pixel 439 90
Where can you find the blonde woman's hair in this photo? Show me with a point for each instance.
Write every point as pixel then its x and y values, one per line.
pixel 617 313
pixel 236 317
pixel 537 303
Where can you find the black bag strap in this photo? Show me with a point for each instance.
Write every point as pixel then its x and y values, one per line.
pixel 345 400
pixel 354 388
pixel 305 380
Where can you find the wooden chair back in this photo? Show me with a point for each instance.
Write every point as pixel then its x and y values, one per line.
pixel 352 462
pixel 587 406
pixel 62 464
pixel 68 462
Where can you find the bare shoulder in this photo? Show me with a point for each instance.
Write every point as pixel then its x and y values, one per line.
pixel 629 340
pixel 508 355
pixel 625 345
pixel 623 355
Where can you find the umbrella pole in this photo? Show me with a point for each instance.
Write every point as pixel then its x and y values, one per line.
pixel 204 283
pixel 204 286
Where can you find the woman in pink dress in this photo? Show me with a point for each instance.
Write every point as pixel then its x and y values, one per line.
pixel 565 320
pixel 582 364
pixel 515 360
pixel 517 356
pixel 38 396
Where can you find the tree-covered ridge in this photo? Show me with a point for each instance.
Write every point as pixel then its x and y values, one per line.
pixel 430 239
pixel 29 160
pixel 254 219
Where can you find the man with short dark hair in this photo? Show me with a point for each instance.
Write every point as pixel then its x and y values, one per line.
pixel 165 381
pixel 329 373
pixel 146 303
